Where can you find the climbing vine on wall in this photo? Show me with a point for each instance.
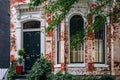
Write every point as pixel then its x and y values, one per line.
pixel 60 8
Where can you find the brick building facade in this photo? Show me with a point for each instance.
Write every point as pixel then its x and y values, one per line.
pixel 99 53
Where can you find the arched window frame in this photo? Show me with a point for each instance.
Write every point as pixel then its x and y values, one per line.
pixel 104 43
pixel 69 39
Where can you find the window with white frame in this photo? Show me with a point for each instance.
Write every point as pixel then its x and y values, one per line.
pixel 76 27
pixel 99 56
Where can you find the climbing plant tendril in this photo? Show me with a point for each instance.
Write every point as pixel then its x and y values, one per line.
pixel 60 8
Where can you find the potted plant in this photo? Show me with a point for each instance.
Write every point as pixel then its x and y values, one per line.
pixel 19 67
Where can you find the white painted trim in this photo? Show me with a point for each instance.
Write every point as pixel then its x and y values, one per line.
pixel 105 42
pixel 42 35
pixel 28 30
pixel 26 13
pixel 75 65
pixel 20 30
pixel 55 59
pixel 57 65
pixel 30 19
pixel 68 22
pixel 105 38
pixel 100 65
pixel 68 17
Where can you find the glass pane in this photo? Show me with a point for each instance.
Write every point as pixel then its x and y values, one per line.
pixel 58 44
pixel 76 26
pixel 99 43
pixel 31 25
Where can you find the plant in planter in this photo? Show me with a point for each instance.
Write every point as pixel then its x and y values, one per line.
pixel 19 67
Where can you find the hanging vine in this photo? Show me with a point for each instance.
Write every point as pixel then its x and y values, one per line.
pixel 59 9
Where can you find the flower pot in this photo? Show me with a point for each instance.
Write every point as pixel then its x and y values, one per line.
pixel 19 69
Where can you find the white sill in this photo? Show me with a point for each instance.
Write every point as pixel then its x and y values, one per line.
pixel 75 65
pixel 100 65
pixel 57 65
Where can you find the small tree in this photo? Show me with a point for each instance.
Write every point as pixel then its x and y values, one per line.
pixel 20 53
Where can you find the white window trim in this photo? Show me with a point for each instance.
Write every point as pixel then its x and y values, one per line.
pixel 55 59
pixel 69 38
pixel 104 64
pixel 75 65
pixel 56 54
pixel 57 65
pixel 100 65
pixel 28 30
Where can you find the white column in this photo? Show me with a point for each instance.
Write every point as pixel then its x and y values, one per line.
pixel 18 36
pixel 42 41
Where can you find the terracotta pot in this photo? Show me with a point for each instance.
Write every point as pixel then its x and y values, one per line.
pixel 19 69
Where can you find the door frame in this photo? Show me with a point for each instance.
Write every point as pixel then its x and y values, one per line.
pixel 30 30
pixel 19 34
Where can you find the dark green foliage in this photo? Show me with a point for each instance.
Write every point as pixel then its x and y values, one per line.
pixel 40 70
pixel 66 76
pixel 21 52
pixel 99 22
pixel 78 38
pixel 59 9
pixel 19 60
pixel 91 78
pixel 101 77
pixel 11 72
pixel 107 77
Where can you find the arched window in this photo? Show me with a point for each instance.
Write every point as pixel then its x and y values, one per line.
pixel 99 34
pixel 76 48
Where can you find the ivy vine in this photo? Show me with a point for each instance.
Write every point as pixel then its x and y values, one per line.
pixel 60 8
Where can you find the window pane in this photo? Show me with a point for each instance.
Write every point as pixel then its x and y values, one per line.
pixel 58 44
pixel 76 27
pixel 99 56
pixel 31 25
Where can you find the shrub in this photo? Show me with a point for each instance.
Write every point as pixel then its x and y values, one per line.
pixel 60 76
pixel 40 70
pixel 107 77
pixel 21 52
pixel 11 72
pixel 91 78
